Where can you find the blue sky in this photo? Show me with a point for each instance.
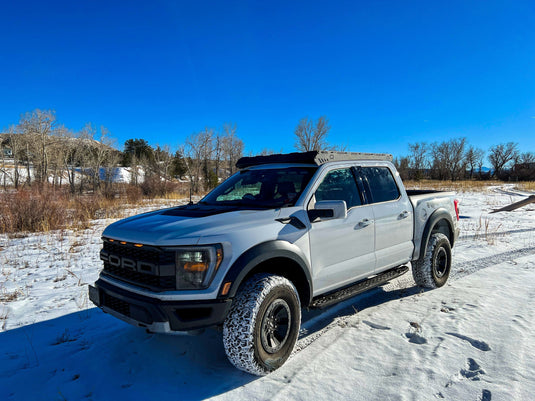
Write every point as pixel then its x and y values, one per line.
pixel 385 73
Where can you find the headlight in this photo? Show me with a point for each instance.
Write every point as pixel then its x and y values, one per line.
pixel 196 266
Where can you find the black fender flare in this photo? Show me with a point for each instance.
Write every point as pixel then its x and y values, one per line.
pixel 264 252
pixel 437 216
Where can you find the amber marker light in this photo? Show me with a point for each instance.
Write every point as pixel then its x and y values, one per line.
pixel 226 288
pixel 196 266
pixel 219 255
pixel 138 245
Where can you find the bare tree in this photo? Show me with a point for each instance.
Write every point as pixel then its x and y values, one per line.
pixel 474 159
pixel 456 158
pixel 449 159
pixel 38 126
pixel 501 155
pixel 86 141
pixel 232 147
pixel 102 158
pixel 523 168
pixel 198 151
pixel 18 148
pixel 418 159
pixel 402 165
pixel 76 157
pixel 58 150
pixel 312 135
pixel 161 169
pixel 439 162
pixel 527 157
pixel 218 152
pixel 267 152
pixel 3 167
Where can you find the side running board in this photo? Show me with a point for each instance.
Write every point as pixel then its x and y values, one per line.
pixel 329 299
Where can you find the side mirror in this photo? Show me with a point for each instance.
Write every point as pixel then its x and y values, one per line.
pixel 328 210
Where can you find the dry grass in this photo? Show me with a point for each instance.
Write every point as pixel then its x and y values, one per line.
pixel 465 185
pixel 9 296
pixel 486 232
pixel 526 186
pixel 457 186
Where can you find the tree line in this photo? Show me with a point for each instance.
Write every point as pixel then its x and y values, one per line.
pixel 43 151
pixel 455 159
pixel 203 159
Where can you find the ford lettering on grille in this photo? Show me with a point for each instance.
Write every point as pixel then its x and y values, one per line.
pixel 129 264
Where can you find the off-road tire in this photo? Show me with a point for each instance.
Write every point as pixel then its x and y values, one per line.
pixel 262 326
pixel 433 270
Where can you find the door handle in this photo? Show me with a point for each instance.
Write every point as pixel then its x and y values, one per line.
pixel 403 215
pixel 365 223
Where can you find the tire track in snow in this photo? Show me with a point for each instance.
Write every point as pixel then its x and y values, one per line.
pixel 466 268
pixel 496 234
pixel 458 272
pixel 510 190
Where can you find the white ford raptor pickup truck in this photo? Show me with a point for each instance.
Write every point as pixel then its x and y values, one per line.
pixel 286 232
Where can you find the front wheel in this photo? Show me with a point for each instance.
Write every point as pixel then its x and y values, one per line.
pixel 433 270
pixel 262 326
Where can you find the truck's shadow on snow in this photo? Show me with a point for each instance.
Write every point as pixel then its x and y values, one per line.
pixel 315 322
pixel 90 355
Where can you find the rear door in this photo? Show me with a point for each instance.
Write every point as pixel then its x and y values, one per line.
pixel 393 216
pixel 342 250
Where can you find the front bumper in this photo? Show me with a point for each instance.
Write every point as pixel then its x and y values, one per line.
pixel 155 315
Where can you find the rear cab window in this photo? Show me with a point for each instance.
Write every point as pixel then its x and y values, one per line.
pixel 379 183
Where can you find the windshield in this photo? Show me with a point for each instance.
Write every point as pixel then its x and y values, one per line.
pixel 263 188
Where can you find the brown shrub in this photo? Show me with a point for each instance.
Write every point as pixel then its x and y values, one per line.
pixel 133 194
pixel 31 211
pixel 154 187
pixel 46 208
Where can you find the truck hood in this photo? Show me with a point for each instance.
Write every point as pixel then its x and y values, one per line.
pixel 186 225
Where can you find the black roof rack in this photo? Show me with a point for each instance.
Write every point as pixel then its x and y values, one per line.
pixel 313 157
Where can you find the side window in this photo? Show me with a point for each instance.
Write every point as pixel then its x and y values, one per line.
pixel 339 185
pixel 381 183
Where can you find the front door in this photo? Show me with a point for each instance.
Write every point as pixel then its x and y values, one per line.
pixel 342 250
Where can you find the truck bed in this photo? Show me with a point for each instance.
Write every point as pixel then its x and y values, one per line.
pixel 425 203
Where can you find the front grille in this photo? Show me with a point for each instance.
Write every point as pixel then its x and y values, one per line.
pixel 146 254
pixel 146 266
pixel 155 282
pixel 117 305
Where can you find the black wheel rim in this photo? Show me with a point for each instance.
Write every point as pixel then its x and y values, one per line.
pixel 441 263
pixel 276 326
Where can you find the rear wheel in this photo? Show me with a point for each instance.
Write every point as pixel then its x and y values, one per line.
pixel 262 326
pixel 433 270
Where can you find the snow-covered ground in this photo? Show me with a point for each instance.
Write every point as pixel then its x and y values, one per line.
pixel 470 340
